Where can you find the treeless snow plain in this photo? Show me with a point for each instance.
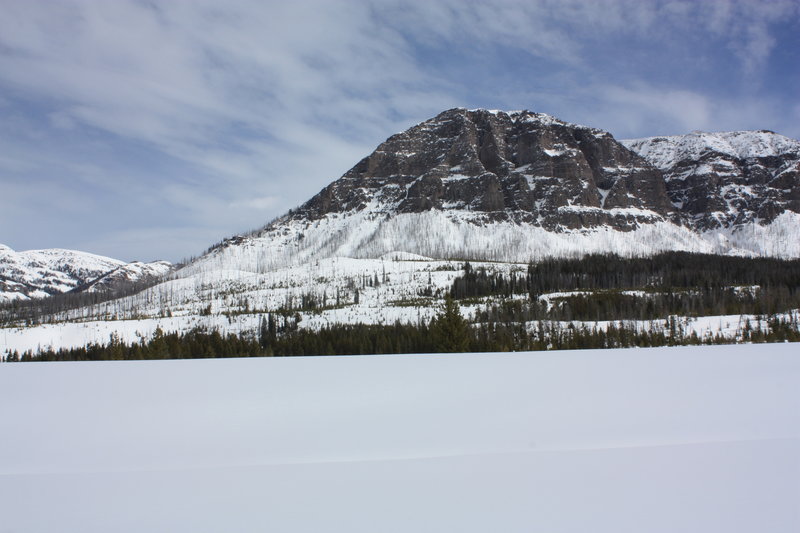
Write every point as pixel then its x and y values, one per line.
pixel 689 439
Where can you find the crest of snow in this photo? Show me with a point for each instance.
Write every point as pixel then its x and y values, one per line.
pixel 624 211
pixel 543 119
pixel 664 152
pixel 456 177
pixel 531 117
pixel 404 256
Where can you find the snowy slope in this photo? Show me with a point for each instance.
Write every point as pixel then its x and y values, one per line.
pixel 665 152
pixel 387 290
pixel 695 440
pixel 129 273
pixel 458 235
pixel 41 273
pixel 38 273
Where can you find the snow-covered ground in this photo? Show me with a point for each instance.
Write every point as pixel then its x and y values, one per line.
pixel 658 440
pixel 77 334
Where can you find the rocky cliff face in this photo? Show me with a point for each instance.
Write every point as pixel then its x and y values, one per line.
pixel 520 166
pixel 727 179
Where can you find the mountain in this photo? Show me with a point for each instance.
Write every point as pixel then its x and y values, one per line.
pixel 721 180
pixel 518 186
pixel 388 240
pixel 128 273
pixel 41 273
pixel 499 186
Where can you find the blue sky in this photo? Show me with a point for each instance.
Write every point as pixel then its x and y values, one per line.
pixel 152 129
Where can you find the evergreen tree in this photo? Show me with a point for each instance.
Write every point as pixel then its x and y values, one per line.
pixel 263 333
pixel 450 331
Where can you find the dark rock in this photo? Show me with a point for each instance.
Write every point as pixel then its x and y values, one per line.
pixel 523 166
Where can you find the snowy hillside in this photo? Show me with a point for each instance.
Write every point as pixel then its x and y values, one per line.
pixel 695 440
pixel 41 273
pixel 456 235
pixel 128 273
pixel 395 288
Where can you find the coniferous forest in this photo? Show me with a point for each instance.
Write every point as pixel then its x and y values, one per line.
pixel 609 287
pixel 555 304
pixel 449 332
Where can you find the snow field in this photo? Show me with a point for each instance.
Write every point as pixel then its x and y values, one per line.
pixel 692 439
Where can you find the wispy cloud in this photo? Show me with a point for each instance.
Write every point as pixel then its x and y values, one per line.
pixel 641 107
pixel 182 114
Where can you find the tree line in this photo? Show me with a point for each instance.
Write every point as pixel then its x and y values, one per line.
pixel 609 287
pixel 448 332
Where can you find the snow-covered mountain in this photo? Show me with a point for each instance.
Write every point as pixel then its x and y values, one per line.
pixel 41 273
pixel 517 186
pixel 731 179
pixel 384 242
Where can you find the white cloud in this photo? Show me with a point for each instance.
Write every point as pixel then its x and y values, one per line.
pixel 746 27
pixel 180 78
pixel 142 243
pixel 685 110
pixel 261 203
pixel 262 100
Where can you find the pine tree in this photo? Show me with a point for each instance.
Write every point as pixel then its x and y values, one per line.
pixel 450 331
pixel 263 333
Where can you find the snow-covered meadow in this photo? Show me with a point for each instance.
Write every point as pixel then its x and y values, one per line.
pixel 693 439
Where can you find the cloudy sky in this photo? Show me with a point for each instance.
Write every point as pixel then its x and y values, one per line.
pixel 150 129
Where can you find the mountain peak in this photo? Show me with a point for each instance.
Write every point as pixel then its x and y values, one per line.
pixel 519 185
pixel 496 165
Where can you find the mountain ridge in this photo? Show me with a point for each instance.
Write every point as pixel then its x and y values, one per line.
pixel 42 273
pixel 727 178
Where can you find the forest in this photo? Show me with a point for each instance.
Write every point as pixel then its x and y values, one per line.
pixel 554 304
pixel 448 332
pixel 610 287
